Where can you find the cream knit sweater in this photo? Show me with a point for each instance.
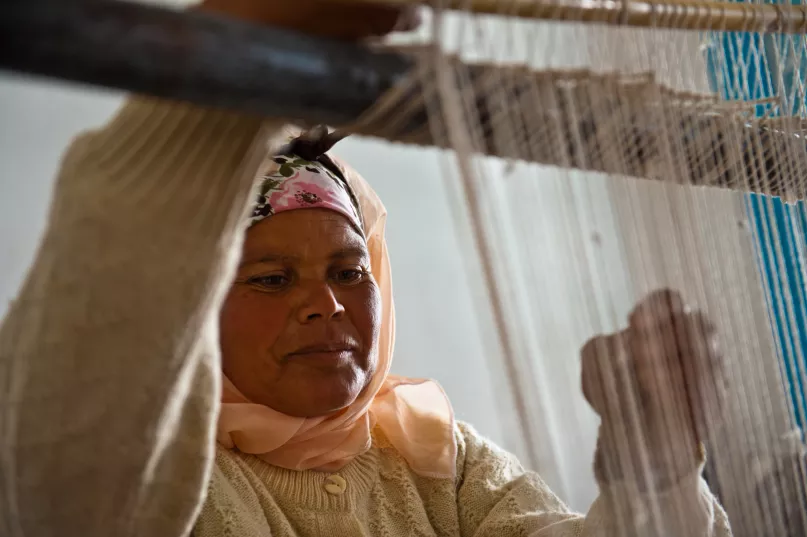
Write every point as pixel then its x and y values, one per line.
pixel 109 386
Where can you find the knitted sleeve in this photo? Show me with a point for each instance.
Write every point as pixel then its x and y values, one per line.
pixel 498 497
pixel 108 360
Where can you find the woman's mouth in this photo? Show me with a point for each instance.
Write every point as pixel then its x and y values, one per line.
pixel 327 352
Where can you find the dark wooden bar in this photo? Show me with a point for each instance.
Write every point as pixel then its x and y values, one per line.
pixel 195 57
pixel 219 62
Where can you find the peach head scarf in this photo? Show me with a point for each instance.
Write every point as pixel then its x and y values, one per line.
pixel 414 414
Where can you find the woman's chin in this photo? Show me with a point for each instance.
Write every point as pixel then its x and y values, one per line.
pixel 318 397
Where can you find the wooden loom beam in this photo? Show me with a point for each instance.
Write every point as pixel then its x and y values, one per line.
pixel 215 61
pixel 219 62
pixel 196 57
pixel 676 14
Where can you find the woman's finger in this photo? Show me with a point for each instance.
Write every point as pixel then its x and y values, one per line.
pixel 679 369
pixel 657 307
pixel 606 378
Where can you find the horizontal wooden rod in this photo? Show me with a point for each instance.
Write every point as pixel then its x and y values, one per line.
pixel 196 57
pixel 676 14
pixel 214 61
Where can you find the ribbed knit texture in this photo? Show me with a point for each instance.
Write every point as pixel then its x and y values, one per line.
pixel 109 364
pixel 107 356
pixel 493 496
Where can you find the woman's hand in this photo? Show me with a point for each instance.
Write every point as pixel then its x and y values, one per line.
pixel 326 18
pixel 657 386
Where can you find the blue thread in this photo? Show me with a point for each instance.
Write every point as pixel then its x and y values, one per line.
pixel 743 62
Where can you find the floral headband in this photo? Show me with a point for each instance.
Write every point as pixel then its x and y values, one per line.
pixel 303 177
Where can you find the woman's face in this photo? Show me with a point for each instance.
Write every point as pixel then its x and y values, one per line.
pixel 299 328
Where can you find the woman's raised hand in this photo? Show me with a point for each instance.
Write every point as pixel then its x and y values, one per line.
pixel 657 386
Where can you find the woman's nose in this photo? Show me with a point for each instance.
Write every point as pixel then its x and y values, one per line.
pixel 319 303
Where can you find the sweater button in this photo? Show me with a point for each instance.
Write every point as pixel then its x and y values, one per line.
pixel 335 484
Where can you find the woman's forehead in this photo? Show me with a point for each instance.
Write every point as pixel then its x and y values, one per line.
pixel 303 234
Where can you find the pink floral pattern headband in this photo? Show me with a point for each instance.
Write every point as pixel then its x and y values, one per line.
pixel 297 183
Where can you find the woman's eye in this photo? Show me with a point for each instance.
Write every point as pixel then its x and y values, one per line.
pixel 271 281
pixel 350 276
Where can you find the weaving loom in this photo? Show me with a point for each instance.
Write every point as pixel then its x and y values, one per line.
pixel 654 128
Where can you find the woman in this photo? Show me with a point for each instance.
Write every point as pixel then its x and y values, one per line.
pixel 111 363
